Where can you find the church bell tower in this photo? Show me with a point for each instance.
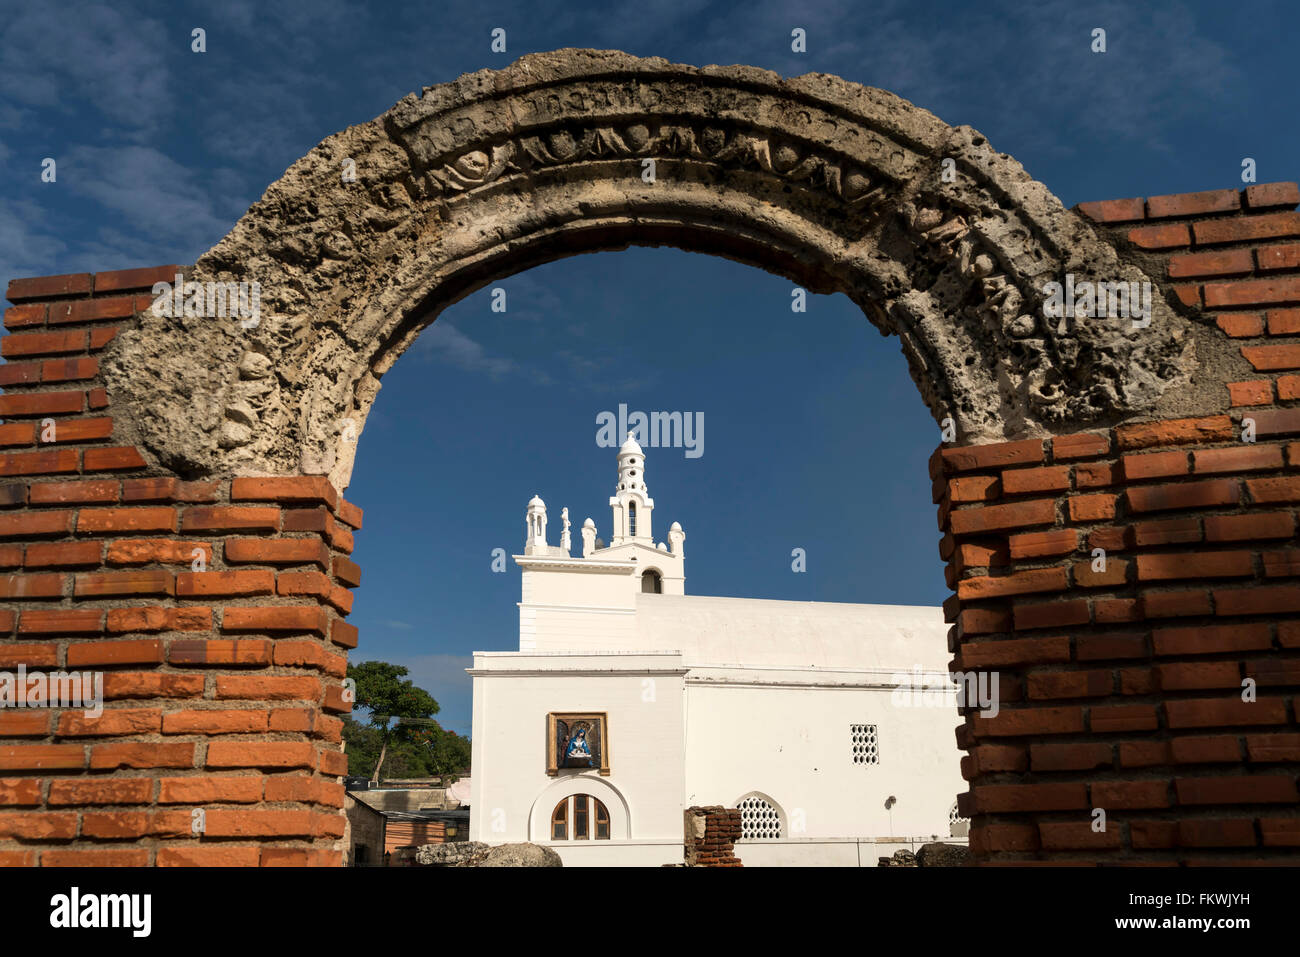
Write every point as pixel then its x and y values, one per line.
pixel 631 502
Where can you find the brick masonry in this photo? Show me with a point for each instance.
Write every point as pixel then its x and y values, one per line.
pixel 711 836
pixel 1122 684
pixel 1121 687
pixel 223 685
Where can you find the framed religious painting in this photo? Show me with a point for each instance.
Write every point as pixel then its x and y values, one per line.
pixel 577 742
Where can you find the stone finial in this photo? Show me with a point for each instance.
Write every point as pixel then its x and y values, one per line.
pixel 536 526
pixel 676 538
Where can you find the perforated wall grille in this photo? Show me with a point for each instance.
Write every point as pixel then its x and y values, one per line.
pixel 759 821
pixel 865 749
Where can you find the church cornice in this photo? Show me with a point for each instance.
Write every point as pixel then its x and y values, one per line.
pixel 588 565
pixel 643 545
pixel 636 672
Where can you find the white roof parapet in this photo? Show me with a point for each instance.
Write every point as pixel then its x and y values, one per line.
pixel 593 566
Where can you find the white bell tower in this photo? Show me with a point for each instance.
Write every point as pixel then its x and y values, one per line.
pixel 631 502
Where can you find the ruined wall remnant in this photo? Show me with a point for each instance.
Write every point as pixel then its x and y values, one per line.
pixel 711 836
pixel 170 486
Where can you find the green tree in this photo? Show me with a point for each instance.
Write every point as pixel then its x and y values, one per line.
pixel 405 759
pixel 392 700
pixel 362 746
pixel 445 751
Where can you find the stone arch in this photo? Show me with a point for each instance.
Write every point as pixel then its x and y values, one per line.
pixel 1120 683
pixel 836 186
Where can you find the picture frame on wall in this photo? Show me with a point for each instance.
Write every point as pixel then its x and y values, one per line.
pixel 577 741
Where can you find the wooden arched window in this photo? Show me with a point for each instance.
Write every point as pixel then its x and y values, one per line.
pixel 580 817
pixel 560 821
pixel 652 583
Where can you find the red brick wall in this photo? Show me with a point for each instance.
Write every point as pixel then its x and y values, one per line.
pixel 223 686
pixel 711 836
pixel 1123 689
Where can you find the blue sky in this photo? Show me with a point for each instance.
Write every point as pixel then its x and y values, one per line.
pixel 814 434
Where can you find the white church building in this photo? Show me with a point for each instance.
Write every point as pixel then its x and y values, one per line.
pixel 629 701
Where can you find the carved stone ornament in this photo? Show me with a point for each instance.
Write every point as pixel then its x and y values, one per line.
pixel 836 186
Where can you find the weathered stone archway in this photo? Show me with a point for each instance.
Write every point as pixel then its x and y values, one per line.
pixel 839 187
pixel 200 560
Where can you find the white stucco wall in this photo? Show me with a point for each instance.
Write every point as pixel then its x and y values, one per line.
pixel 512 795
pixel 710 699
pixel 821 852
pixel 752 632
pixel 793 744
pixel 576 605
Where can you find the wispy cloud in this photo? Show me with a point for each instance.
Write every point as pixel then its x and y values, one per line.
pixel 554 363
pixel 151 191
pixel 1159 68
pixel 444 342
pixel 529 298
pixel 156 209
pixel 97 53
pixel 182 142
pixel 24 248
pixel 1027 67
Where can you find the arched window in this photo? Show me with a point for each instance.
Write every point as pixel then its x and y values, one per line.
pixel 560 821
pixel 580 817
pixel 651 582
pixel 631 518
pixel 759 819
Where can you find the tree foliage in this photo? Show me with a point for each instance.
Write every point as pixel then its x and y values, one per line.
pixel 445 752
pixel 384 690
pixel 432 752
pixel 398 735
